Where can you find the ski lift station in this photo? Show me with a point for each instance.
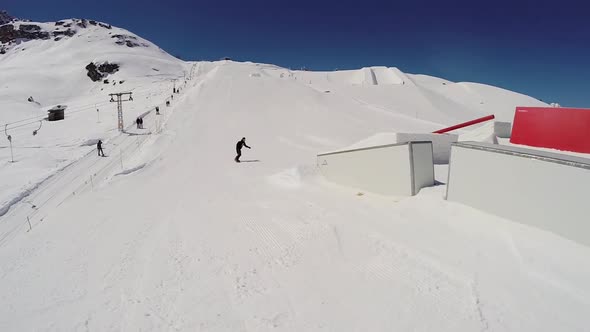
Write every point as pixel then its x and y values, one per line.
pixel 56 113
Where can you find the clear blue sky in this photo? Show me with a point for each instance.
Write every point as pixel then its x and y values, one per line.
pixel 540 48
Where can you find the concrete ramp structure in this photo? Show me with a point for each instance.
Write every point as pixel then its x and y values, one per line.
pixel 397 169
pixel 545 190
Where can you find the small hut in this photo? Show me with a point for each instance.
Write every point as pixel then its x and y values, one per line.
pixel 56 113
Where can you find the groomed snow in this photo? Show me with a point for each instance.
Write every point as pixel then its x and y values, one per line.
pixel 169 233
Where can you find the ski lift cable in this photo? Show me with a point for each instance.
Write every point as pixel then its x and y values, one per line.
pixel 27 119
pixel 60 175
pixel 42 117
pixel 34 120
pixel 22 125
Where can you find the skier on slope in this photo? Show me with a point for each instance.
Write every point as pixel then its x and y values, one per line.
pixel 241 143
pixel 99 148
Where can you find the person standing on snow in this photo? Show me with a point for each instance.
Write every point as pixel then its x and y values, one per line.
pixel 99 148
pixel 241 143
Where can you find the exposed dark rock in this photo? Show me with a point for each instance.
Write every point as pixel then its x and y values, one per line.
pixel 6 18
pixel 29 28
pixel 82 24
pixel 106 26
pixel 26 31
pixel 97 73
pixel 106 81
pixel 7 33
pixel 93 72
pixel 124 37
pixel 68 32
pixel 93 22
pixel 129 41
pixel 108 68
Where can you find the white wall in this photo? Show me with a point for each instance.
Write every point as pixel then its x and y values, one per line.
pixel 422 166
pixel 393 169
pixel 546 190
pixel 502 129
pixel 441 144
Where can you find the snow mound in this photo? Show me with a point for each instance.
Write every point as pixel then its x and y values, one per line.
pixel 289 179
pixel 131 170
pixel 295 177
pixel 368 76
pixel 386 76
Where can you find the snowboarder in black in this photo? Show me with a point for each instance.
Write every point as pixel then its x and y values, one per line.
pixel 99 148
pixel 157 110
pixel 137 122
pixel 241 143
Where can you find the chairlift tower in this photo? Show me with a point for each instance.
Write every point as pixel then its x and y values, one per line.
pixel 119 98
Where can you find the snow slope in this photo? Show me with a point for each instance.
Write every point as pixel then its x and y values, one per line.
pixel 419 96
pixel 53 72
pixel 168 233
pixel 193 241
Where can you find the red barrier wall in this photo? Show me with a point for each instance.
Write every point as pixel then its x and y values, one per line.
pixel 559 128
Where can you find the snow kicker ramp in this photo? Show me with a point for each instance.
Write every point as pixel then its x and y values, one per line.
pixel 368 76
